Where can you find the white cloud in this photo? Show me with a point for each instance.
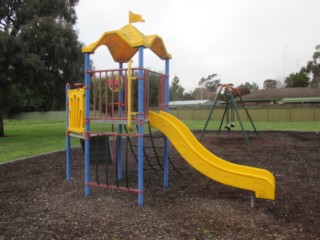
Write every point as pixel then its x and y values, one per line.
pixel 240 40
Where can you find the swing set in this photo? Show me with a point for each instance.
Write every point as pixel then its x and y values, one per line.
pixel 230 109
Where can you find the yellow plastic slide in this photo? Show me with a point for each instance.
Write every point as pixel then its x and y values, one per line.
pixel 260 181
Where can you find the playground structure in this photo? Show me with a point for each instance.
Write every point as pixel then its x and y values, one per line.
pixel 117 97
pixel 120 98
pixel 230 108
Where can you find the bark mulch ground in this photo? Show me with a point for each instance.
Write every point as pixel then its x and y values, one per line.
pixel 36 202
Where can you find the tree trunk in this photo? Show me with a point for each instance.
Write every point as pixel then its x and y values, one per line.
pixel 1 126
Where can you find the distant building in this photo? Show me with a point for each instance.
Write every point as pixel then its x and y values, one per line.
pixel 302 95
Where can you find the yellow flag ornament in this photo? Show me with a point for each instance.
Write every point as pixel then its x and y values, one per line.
pixel 134 17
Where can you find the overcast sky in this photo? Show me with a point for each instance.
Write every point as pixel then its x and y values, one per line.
pixel 240 40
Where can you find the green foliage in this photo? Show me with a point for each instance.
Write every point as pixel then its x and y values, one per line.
pixel 308 75
pixel 10 49
pixel 270 84
pixel 246 88
pixel 39 52
pixel 176 90
pixel 313 69
pixel 153 90
pixel 243 90
pixel 188 96
pixel 297 80
pixel 207 87
pixel 210 82
pixel 16 13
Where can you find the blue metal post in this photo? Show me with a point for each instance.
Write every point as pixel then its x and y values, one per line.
pixel 68 142
pixel 87 124
pixel 166 141
pixel 119 138
pixel 140 129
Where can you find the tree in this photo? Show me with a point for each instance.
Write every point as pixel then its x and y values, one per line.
pixel 203 93
pixel 208 86
pixel 16 13
pixel 270 84
pixel 176 90
pixel 247 87
pixel 251 86
pixel 243 90
pixel 210 83
pixel 9 54
pixel 153 89
pixel 188 96
pixel 58 60
pixel 39 52
pixel 313 68
pixel 299 79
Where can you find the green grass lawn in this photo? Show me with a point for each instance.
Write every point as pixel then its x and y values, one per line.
pixel 260 126
pixel 30 138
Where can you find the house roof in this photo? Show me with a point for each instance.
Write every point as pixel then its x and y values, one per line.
pixel 124 43
pixel 281 93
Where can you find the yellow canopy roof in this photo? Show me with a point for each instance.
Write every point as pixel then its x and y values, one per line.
pixel 124 43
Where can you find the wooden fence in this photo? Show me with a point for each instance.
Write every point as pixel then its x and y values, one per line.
pixel 47 116
pixel 266 114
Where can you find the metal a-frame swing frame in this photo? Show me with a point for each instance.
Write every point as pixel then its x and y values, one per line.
pixel 229 91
